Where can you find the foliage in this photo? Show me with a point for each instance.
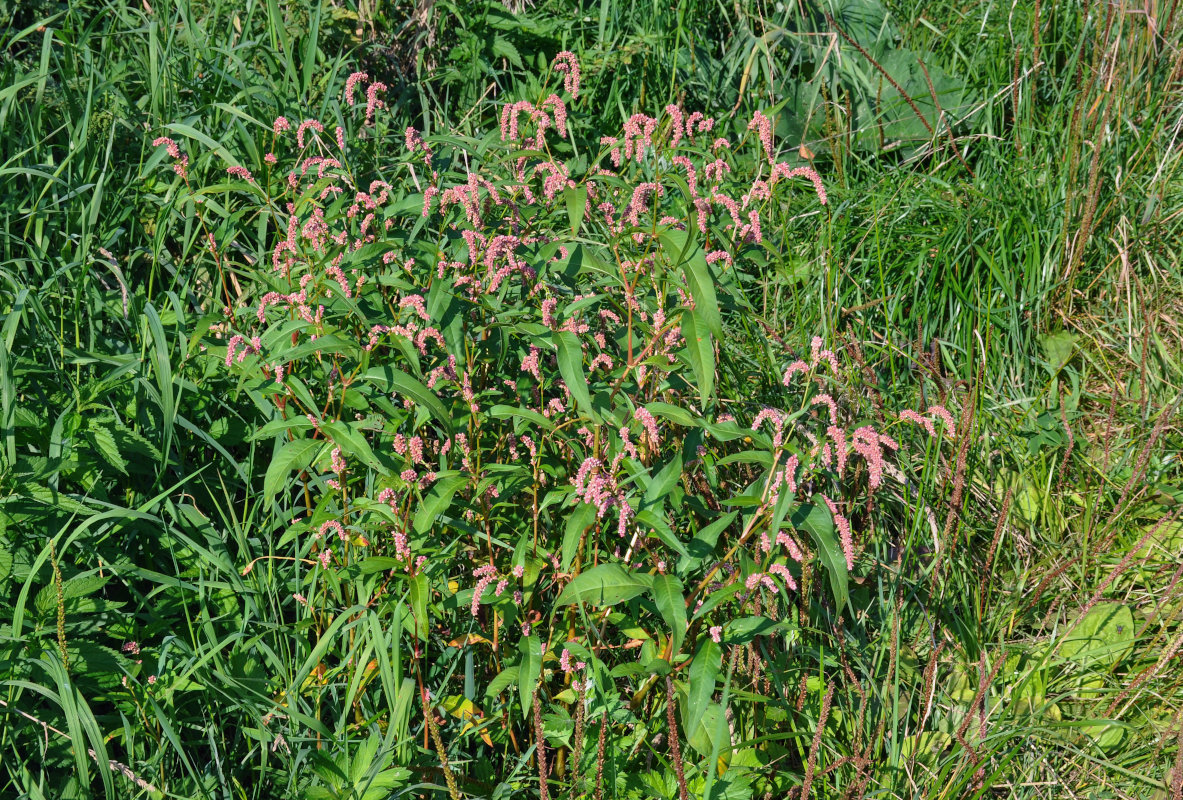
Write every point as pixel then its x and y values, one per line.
pixel 998 238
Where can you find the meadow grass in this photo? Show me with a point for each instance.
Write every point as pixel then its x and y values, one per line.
pixel 1004 240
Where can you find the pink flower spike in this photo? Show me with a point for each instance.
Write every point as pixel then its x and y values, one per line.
pixel 843 526
pixel 567 65
pixel 942 413
pixel 828 402
pixel 351 84
pixel 923 422
pixel 794 368
pixel 763 125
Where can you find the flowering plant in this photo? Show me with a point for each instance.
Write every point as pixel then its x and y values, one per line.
pixel 493 375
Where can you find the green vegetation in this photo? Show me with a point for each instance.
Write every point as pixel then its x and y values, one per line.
pixel 270 530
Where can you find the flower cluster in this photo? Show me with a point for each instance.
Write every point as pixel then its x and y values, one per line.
pixel 510 359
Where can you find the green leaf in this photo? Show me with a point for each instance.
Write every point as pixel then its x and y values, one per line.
pixel 105 443
pixel 437 501
pixel 378 564
pixel 1058 349
pixel 604 585
pixel 353 443
pixel 418 592
pixel 571 368
pixel 1102 637
pixel 675 414
pixel 704 669
pixel 683 251
pixel 502 48
pixel 295 455
pixel 576 206
pixel 700 352
pixel 710 734
pixel 529 668
pixel 665 480
pixel 817 521
pixel 502 681
pixel 393 380
pixel 742 631
pixel 584 514
pixel 506 412
pixel 703 543
pixel 647 517
pixel 668 594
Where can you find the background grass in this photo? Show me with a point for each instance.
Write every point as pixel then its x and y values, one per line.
pixel 1011 243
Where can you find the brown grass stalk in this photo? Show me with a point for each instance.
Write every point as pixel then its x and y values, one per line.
pixel 675 744
pixel 815 746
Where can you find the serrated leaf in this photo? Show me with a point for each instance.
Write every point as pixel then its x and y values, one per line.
pixel 502 48
pixel 604 585
pixel 105 443
pixel 72 589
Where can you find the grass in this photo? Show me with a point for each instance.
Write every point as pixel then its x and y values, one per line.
pixel 1016 252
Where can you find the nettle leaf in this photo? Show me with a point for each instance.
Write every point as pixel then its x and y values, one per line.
pixel 73 589
pixel 104 442
pixel 604 585
pixel 818 523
